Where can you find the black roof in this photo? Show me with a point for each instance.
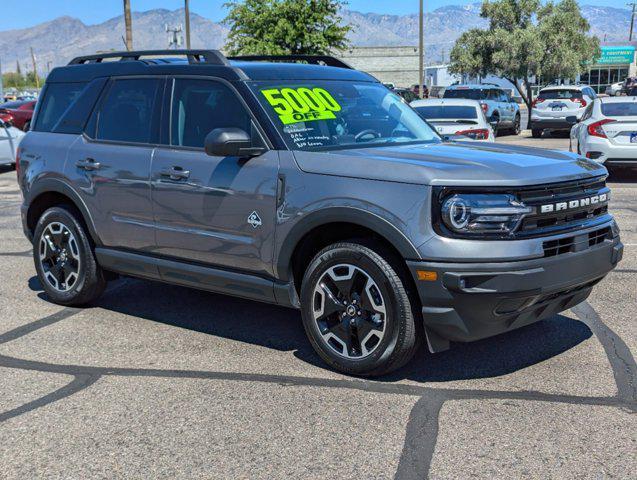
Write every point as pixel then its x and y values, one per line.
pixel 207 63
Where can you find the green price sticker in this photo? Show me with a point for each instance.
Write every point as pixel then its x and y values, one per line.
pixel 294 105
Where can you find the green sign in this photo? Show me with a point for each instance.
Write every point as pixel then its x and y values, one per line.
pixel 616 55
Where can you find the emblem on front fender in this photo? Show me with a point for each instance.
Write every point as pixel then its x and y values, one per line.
pixel 255 220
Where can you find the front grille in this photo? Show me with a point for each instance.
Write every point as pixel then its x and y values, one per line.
pixel 557 221
pixel 576 243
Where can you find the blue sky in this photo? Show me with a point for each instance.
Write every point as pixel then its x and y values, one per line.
pixel 32 12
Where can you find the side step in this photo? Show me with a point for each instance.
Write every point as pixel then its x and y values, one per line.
pixel 202 277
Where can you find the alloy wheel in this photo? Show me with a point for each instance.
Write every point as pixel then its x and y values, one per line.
pixel 349 311
pixel 59 257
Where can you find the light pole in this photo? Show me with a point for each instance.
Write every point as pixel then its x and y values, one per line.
pixel 129 26
pixel 187 13
pixel 632 21
pixel 421 51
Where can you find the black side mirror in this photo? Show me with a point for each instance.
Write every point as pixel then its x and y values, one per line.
pixel 230 142
pixel 572 119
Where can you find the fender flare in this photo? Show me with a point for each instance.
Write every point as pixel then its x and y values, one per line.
pixel 48 185
pixel 353 215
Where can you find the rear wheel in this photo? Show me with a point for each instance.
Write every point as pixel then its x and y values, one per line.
pixel 536 133
pixel 356 310
pixel 64 259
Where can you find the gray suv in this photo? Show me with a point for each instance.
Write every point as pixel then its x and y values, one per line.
pixel 302 182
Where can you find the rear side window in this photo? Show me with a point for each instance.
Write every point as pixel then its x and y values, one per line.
pixel 128 112
pixel 200 106
pixel 559 94
pixel 451 112
pixel 471 94
pixel 57 98
pixel 620 109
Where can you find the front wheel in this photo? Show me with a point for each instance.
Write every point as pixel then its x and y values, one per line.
pixel 64 259
pixel 516 125
pixel 357 311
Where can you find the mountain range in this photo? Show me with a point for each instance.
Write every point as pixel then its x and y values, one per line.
pixel 57 41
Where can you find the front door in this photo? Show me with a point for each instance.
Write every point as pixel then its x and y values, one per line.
pixel 214 210
pixel 110 166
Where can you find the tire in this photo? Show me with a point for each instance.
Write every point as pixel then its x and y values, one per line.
pixel 516 125
pixel 63 255
pixel 379 342
pixel 536 133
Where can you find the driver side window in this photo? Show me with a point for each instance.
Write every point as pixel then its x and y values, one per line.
pixel 200 106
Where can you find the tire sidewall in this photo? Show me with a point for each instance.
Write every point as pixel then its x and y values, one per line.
pixel 61 215
pixel 394 306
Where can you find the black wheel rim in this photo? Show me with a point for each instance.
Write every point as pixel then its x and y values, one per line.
pixel 59 257
pixel 349 311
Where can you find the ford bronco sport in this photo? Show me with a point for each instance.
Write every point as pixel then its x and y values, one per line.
pixel 302 182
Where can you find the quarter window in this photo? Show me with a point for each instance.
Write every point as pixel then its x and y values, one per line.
pixel 199 107
pixel 58 97
pixel 128 111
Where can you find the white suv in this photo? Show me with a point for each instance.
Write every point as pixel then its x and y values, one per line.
pixel 555 104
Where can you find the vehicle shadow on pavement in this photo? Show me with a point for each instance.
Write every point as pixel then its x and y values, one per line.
pixel 281 329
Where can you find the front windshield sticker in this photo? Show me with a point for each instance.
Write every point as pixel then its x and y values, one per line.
pixel 295 105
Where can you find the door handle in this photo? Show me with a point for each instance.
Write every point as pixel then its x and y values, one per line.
pixel 88 164
pixel 175 173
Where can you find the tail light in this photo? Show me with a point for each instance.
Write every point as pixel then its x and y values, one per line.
pixel 536 101
pixel 485 107
pixel 580 101
pixel 478 134
pixel 596 130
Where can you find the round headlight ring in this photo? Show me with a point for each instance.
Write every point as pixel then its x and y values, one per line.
pixel 457 213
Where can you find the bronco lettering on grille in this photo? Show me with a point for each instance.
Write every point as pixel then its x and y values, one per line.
pixel 572 204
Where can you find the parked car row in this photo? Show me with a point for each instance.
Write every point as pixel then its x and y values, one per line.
pixel 456 119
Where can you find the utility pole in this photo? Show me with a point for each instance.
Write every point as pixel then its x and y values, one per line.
pixel 1 86
pixel 35 70
pixel 421 51
pixel 129 25
pixel 632 20
pixel 187 13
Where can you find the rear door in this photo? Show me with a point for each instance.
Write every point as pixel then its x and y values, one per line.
pixel 210 209
pixel 110 165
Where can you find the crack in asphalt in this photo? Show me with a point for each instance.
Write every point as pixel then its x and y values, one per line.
pixel 423 423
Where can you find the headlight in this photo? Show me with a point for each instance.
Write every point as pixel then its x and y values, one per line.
pixel 475 214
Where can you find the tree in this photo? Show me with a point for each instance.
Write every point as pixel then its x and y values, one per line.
pixel 526 39
pixel 279 27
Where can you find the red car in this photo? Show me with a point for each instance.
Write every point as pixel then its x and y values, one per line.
pixel 20 112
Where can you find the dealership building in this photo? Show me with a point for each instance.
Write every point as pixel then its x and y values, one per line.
pixel 399 65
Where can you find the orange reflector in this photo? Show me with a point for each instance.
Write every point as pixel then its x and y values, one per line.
pixel 426 276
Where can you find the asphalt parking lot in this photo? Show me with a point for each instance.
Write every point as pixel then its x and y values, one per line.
pixel 157 381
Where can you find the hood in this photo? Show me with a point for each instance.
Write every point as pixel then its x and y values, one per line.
pixel 452 163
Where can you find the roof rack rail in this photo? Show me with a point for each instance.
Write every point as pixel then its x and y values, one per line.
pixel 326 60
pixel 210 57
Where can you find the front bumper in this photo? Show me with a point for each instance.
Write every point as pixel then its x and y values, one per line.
pixel 470 301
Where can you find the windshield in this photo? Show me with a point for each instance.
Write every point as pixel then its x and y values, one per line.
pixel 330 115
pixel 450 112
pixel 559 94
pixel 471 94
pixel 623 109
